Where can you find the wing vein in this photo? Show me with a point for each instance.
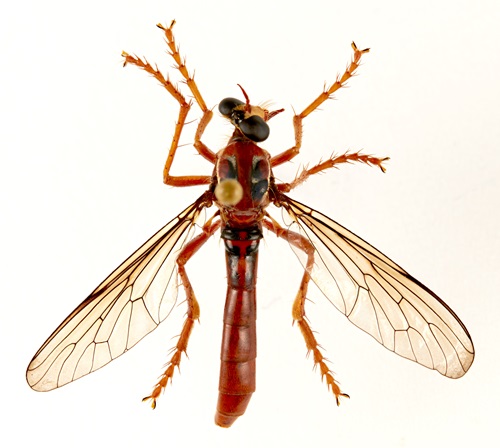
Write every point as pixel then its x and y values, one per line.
pixel 380 297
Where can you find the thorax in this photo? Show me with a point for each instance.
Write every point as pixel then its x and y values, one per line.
pixel 242 164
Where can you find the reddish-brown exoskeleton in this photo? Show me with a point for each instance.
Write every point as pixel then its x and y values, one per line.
pixel 371 290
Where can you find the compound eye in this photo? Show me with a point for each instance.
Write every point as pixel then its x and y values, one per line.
pixel 254 128
pixel 227 105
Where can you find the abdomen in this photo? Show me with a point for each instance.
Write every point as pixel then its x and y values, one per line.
pixel 239 341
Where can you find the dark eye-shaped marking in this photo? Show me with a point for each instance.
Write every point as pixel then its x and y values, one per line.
pixel 260 179
pixel 228 190
pixel 226 168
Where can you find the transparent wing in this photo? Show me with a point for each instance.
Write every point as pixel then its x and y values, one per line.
pixel 381 298
pixel 123 309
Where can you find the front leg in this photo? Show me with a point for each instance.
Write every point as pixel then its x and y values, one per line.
pixel 202 149
pixel 185 106
pixel 327 93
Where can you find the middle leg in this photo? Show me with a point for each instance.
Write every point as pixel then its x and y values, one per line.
pixel 332 162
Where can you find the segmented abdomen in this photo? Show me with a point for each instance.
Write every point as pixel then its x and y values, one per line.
pixel 239 341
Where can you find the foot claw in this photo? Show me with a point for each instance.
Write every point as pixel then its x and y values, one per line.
pixel 153 401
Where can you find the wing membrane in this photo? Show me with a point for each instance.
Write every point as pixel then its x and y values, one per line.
pixel 381 298
pixel 124 308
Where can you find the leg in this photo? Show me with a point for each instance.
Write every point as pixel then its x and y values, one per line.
pixel 202 149
pixel 327 93
pixel 332 162
pixel 298 311
pixel 193 312
pixel 179 181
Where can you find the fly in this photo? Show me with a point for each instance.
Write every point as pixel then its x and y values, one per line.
pixel 373 292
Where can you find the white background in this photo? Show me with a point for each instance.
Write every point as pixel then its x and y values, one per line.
pixel 83 143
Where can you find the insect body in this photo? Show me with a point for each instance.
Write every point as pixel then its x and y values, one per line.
pixel 371 290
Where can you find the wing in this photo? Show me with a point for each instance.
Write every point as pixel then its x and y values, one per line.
pixel 381 298
pixel 123 309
